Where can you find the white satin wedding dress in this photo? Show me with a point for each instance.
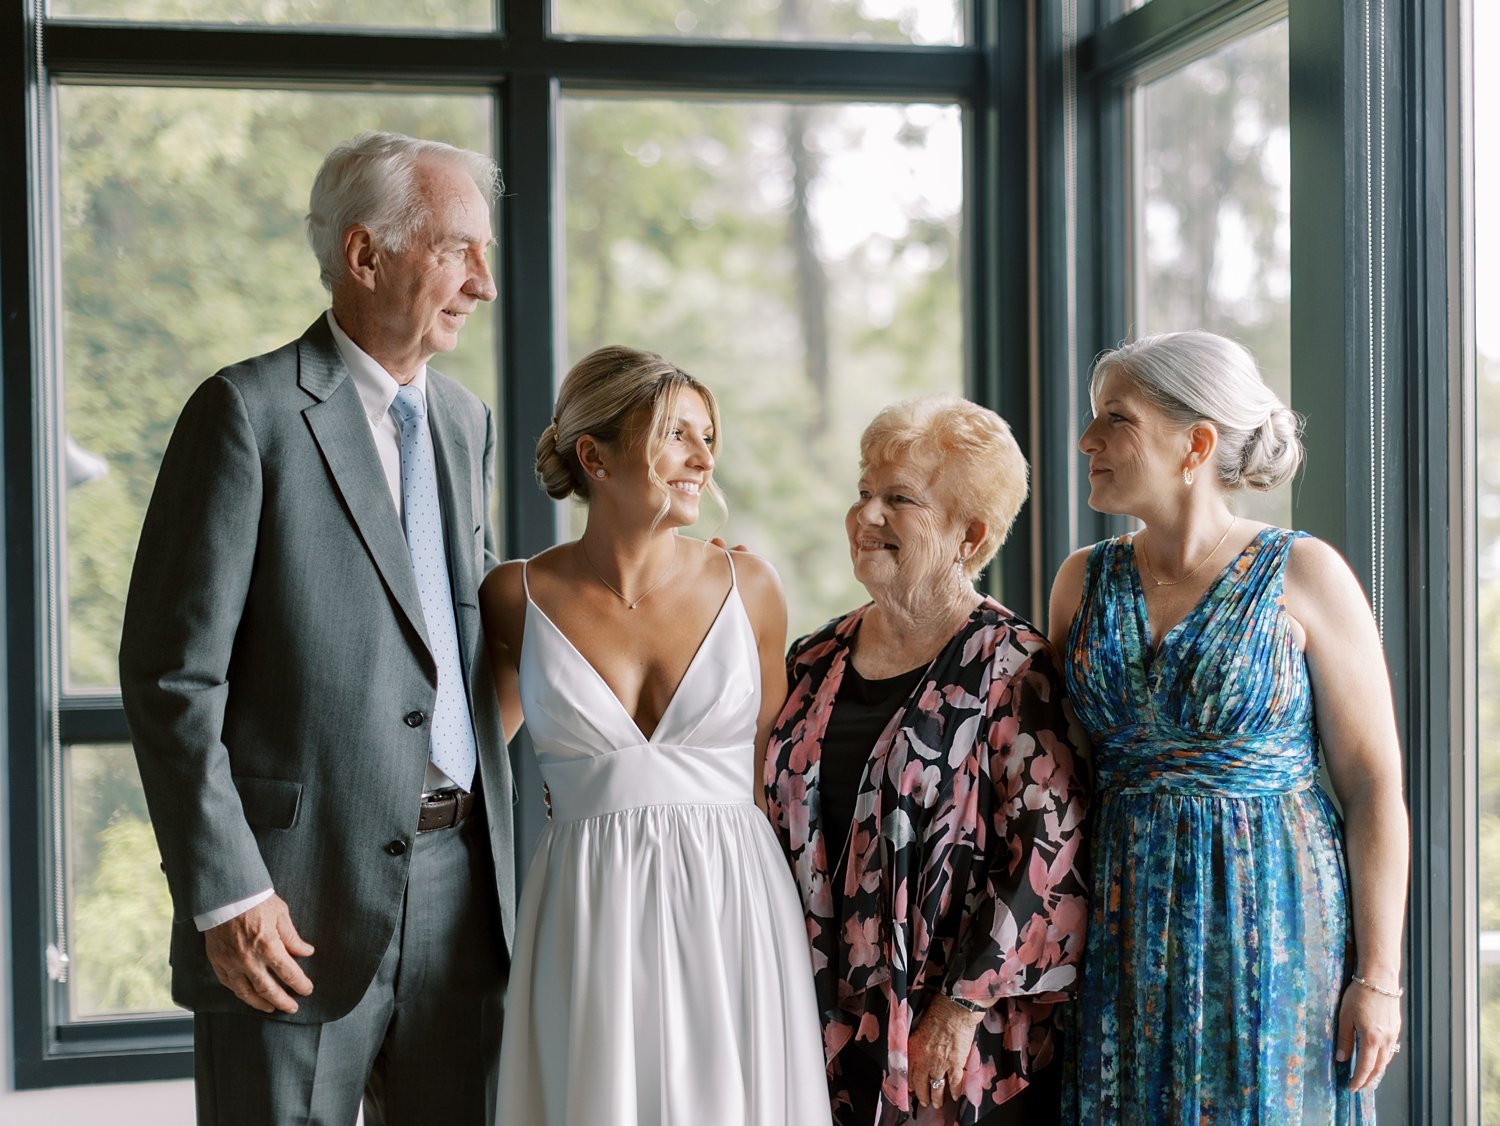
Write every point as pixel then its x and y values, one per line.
pixel 661 973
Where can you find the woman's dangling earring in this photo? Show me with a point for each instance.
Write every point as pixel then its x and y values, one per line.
pixel 1187 476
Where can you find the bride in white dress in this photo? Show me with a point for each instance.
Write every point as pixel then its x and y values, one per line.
pixel 661 973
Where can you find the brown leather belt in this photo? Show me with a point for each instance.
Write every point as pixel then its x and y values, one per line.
pixel 444 809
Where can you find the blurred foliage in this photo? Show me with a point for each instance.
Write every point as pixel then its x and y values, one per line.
pixel 1214 211
pixel 121 912
pixel 466 15
pixel 1487 693
pixel 880 21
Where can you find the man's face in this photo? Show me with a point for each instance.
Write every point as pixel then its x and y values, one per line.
pixel 427 291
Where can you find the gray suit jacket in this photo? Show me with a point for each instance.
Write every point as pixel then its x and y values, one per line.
pixel 273 650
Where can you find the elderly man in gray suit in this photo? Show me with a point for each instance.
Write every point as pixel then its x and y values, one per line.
pixel 306 683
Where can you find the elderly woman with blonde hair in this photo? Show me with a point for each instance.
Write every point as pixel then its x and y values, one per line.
pixel 925 782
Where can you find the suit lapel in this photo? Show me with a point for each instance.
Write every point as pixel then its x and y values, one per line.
pixel 450 447
pixel 338 425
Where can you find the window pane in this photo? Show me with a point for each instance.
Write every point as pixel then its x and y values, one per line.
pixel 182 252
pixel 121 915
pixel 802 260
pixel 878 21
pixel 1212 224
pixel 1486 161
pixel 448 15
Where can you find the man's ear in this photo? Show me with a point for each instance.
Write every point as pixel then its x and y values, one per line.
pixel 361 256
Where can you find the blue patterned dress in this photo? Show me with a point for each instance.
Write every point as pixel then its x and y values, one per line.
pixel 1219 938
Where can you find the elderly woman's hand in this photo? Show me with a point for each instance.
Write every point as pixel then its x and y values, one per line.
pixel 938 1047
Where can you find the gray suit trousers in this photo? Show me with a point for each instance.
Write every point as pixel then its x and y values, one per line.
pixel 422 1046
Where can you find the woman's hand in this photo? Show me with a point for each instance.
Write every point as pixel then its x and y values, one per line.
pixel 937 1049
pixel 1373 1020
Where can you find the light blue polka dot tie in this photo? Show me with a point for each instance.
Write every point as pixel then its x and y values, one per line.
pixel 452 731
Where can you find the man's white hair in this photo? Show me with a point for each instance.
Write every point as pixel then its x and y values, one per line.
pixel 370 180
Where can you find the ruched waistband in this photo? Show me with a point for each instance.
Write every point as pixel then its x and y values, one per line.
pixel 649 774
pixel 1148 758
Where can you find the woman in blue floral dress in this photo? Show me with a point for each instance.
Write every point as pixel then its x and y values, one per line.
pixel 1242 963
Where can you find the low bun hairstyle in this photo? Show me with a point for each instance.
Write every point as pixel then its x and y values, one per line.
pixel 555 473
pixel 617 396
pixel 1198 376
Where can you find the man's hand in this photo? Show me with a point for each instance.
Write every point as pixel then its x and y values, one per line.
pixel 252 956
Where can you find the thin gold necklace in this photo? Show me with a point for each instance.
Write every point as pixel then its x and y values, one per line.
pixel 1211 552
pixel 672 566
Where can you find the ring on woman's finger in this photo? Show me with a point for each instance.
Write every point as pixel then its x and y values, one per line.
pixel 1395 1049
pixel 936 1083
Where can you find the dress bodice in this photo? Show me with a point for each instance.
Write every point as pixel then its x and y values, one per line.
pixel 1222 706
pixel 593 756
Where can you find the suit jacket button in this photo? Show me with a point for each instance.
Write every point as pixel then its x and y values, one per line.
pixel 396 847
pixel 414 719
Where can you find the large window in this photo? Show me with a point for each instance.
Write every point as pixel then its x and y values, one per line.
pixel 777 196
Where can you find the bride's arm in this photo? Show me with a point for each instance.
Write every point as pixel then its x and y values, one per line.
pixel 502 605
pixel 765 602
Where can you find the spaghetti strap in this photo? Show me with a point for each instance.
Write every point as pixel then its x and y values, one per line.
pixel 734 579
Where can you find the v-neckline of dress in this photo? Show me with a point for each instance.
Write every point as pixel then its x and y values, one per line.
pixel 1151 654
pixel 676 692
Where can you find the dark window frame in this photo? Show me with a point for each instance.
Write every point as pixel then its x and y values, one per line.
pixel 524 68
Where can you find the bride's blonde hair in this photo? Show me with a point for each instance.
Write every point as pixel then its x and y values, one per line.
pixel 604 396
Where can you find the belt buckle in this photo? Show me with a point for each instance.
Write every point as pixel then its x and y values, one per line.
pixel 447 808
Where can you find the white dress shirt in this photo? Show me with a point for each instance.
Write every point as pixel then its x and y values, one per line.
pixel 377 391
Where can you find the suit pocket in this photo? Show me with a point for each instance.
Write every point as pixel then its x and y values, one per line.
pixel 269 803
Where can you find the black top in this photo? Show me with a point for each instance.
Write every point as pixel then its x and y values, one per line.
pixel 860 714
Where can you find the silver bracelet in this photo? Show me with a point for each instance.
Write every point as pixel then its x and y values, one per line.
pixel 1372 987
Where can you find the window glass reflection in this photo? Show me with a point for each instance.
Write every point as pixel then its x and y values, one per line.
pixel 801 259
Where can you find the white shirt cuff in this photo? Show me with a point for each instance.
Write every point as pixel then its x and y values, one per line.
pixel 211 919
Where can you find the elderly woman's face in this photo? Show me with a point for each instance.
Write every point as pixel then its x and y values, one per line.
pixel 903 534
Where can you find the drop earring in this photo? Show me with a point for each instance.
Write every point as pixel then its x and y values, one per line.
pixel 1187 476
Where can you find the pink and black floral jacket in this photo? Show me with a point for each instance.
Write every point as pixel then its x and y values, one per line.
pixel 966 869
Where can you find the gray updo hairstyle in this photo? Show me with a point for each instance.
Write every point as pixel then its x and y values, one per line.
pixel 370 180
pixel 617 395
pixel 1197 376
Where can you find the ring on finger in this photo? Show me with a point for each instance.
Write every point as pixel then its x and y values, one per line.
pixel 936 1083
